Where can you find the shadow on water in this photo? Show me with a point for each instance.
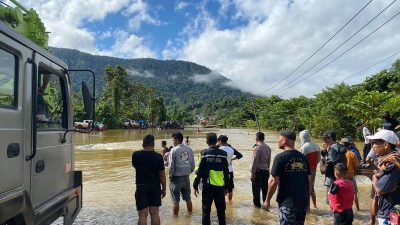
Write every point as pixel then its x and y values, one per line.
pixel 108 195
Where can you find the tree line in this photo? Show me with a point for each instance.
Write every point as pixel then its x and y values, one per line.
pixel 336 108
pixel 122 99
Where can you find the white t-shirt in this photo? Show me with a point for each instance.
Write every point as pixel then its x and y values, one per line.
pixel 365 133
pixel 229 151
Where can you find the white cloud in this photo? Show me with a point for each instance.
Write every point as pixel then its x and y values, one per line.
pixel 255 9
pixel 272 40
pixel 145 74
pixel 138 10
pixel 224 6
pixel 205 78
pixel 278 38
pixel 128 46
pixel 65 22
pixel 105 35
pixel 180 6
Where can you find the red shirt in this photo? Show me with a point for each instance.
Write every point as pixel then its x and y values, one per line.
pixel 313 159
pixel 343 199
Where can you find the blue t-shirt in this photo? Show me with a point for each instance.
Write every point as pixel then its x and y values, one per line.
pixel 355 150
pixel 387 201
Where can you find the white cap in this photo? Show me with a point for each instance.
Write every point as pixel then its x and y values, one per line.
pixel 386 135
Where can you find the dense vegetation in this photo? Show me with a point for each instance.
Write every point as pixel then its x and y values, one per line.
pixel 165 90
pixel 187 89
pixel 121 99
pixel 178 82
pixel 337 108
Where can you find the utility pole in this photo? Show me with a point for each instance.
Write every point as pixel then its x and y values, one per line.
pixel 255 114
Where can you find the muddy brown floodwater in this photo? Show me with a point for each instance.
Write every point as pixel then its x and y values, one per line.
pixel 108 180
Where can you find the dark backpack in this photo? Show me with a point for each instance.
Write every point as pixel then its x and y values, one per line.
pixel 336 154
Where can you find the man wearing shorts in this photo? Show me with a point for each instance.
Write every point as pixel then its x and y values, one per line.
pixel 150 181
pixel 181 165
pixel 291 175
pixel 313 153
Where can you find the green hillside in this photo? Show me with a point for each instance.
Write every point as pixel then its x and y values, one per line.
pixel 180 83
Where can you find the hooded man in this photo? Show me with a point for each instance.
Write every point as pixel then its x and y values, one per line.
pixel 313 153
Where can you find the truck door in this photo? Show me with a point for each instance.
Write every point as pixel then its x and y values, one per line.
pixel 51 170
pixel 12 129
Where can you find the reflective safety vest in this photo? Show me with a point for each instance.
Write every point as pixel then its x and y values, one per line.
pixel 213 168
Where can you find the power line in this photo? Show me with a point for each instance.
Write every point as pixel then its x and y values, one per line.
pixel 285 88
pixel 354 74
pixel 326 42
pixel 5 4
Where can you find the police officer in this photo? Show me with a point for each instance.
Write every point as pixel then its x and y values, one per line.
pixel 214 173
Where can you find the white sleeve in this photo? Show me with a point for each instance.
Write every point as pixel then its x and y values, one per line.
pixel 303 149
pixel 366 132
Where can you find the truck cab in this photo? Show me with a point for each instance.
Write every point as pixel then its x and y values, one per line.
pixel 39 182
pixel 83 125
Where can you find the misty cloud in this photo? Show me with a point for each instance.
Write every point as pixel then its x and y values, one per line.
pixel 205 78
pixel 145 74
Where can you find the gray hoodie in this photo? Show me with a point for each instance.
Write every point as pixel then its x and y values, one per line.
pixel 181 161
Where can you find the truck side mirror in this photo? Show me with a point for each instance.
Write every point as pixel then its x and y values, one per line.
pixel 87 100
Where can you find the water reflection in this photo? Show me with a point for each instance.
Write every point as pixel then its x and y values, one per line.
pixel 108 196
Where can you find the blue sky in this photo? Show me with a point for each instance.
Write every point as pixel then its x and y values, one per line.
pixel 255 43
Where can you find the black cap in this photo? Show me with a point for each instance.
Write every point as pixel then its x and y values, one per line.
pixel 329 134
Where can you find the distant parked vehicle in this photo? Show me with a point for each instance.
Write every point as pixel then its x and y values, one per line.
pixel 129 124
pixel 83 125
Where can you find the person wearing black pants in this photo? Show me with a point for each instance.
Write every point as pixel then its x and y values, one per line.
pixel 214 173
pixel 367 143
pixel 217 194
pixel 366 149
pixel 259 169
pixel 260 183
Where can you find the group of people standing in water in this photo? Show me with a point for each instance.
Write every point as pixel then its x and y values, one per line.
pixel 292 176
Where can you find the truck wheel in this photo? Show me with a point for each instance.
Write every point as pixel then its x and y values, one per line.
pixel 80 126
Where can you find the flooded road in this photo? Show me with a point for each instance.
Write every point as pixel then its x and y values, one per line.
pixel 108 180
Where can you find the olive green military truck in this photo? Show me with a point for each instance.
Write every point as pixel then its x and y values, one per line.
pixel 38 181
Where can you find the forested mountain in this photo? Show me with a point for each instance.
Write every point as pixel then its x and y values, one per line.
pixel 189 89
pixel 180 83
